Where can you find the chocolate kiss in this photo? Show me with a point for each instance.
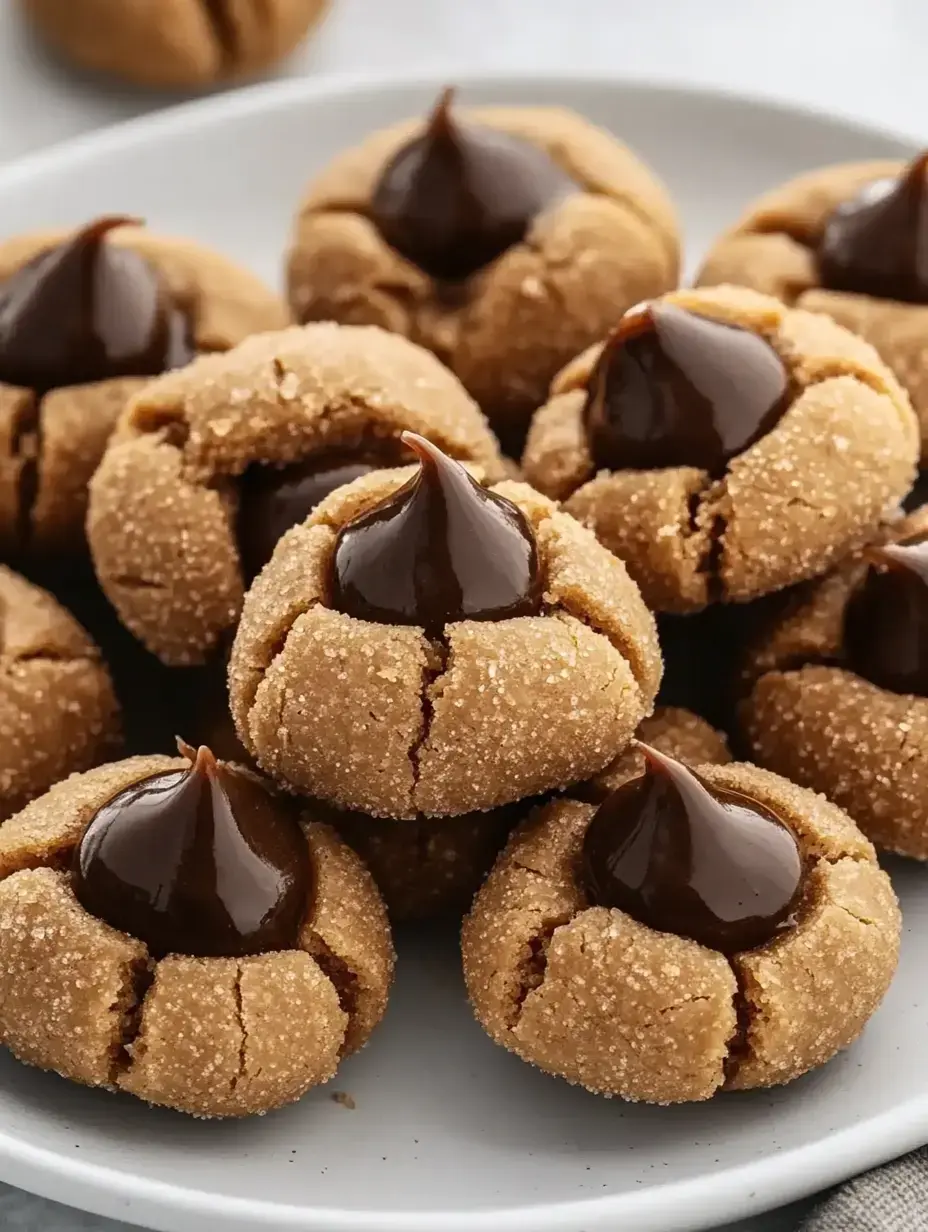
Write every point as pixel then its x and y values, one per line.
pixel 202 861
pixel 886 620
pixel 455 198
pixel 88 311
pixel 440 549
pixel 685 857
pixel 673 388
pixel 877 243
pixel 273 500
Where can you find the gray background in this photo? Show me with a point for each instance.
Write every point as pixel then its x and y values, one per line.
pixel 863 58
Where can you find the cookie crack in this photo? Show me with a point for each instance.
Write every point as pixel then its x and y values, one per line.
pixel 564 607
pixel 438 661
pixel 343 979
pixel 222 26
pixel 243 1032
pixel 130 1002
pixel 737 1046
pixel 530 972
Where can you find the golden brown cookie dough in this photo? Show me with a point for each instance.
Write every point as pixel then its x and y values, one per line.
pixel 214 1037
pixel 596 997
pixel 810 717
pixel 506 330
pixel 380 718
pixel 773 248
pixel 174 43
pixel 58 712
pixel 50 446
pixel 788 508
pixel 163 508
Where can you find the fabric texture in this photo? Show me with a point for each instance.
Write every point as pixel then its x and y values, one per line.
pixel 890 1199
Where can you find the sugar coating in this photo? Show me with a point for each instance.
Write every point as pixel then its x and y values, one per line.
pixel 790 507
pixel 164 500
pixel 58 711
pixel 378 718
pixel 813 720
pixel 510 327
pixel 67 980
pixel 176 43
pixel 597 998
pixel 208 1036
pixel 65 433
pixel 772 248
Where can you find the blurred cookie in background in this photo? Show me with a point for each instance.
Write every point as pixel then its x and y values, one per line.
pixel 174 43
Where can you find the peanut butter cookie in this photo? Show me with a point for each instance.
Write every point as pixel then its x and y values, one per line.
pixel 434 866
pixel 840 694
pixel 504 239
pixel 214 462
pixel 423 644
pixel 167 928
pixel 725 446
pixel 698 931
pixel 58 712
pixel 174 43
pixel 86 319
pixel 845 240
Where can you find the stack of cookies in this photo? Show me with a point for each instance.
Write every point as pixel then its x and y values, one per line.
pixel 441 588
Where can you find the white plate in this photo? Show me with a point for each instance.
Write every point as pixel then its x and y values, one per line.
pixel 450 1133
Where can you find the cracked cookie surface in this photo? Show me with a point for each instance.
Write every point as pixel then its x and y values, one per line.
pixel 164 502
pixel 773 249
pixel 594 996
pixel 50 445
pixel 506 330
pixel 58 711
pixel 809 716
pixel 214 1037
pixel 788 508
pixel 174 42
pixel 382 719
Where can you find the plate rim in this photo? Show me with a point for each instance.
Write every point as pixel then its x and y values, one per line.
pixel 745 1189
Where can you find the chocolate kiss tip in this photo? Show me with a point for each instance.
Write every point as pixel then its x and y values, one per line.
pixel 890 555
pixel 422 447
pixel 441 112
pixel 202 759
pixel 109 222
pixel 654 757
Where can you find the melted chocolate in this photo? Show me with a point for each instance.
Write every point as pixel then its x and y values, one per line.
pixel 440 549
pixel 203 861
pixel 685 857
pixel 86 311
pixel 886 621
pixel 455 198
pixel 673 388
pixel 272 500
pixel 877 243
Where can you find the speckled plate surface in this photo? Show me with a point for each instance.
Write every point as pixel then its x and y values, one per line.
pixel 449 1133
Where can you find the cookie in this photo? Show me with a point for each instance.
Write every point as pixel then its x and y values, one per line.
pixel 175 43
pixel 504 239
pixel 723 929
pixel 842 240
pixel 215 461
pixel 168 929
pixel 725 446
pixel 838 699
pixel 58 712
pixel 89 316
pixel 423 644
